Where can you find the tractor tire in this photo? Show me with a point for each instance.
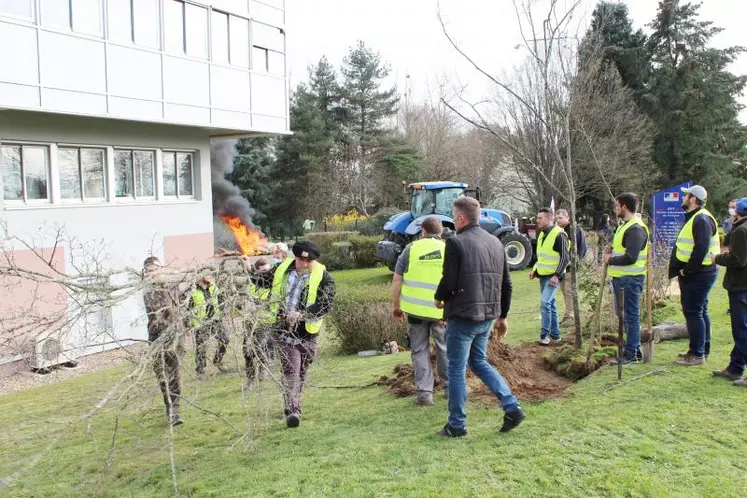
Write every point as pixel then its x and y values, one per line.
pixel 518 250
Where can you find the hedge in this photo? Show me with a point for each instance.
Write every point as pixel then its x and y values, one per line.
pixel 346 250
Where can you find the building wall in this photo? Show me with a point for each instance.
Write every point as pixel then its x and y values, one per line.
pixel 119 232
pixel 220 66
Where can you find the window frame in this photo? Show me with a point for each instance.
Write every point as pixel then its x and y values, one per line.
pixel 175 154
pixel 103 19
pixel 34 13
pixel 24 191
pixel 133 197
pixel 83 198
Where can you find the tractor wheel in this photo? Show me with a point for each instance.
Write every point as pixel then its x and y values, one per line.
pixel 518 250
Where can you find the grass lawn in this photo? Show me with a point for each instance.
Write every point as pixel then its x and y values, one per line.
pixel 678 434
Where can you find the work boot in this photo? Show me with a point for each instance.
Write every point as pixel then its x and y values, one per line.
pixel 626 360
pixel 293 420
pixel 512 419
pixel 692 361
pixel 740 383
pixel 424 400
pixel 449 431
pixel 687 355
pixel 175 420
pixel 726 374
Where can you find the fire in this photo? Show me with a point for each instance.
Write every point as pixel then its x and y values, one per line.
pixel 250 240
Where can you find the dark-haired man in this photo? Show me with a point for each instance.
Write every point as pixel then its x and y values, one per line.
pixel 416 277
pixel 627 261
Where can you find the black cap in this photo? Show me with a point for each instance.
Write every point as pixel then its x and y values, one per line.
pixel 306 249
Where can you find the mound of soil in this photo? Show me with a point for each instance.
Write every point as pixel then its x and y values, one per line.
pixel 523 366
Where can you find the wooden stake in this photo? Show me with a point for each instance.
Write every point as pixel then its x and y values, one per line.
pixel 596 327
pixel 648 349
pixel 620 331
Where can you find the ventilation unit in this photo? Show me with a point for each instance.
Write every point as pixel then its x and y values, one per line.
pixel 49 351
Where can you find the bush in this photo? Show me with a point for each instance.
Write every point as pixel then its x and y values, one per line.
pixel 339 257
pixel 364 251
pixel 362 316
pixel 374 225
pixel 325 239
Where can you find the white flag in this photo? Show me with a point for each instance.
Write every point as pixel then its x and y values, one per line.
pixel 552 205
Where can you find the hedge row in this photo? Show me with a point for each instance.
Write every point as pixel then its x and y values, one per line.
pixel 346 250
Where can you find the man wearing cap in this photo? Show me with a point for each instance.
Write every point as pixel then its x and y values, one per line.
pixel 692 264
pixel 302 294
pixel 735 282
pixel 416 277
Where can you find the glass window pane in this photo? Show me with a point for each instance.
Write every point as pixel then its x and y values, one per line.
pixel 20 8
pixel 87 16
pixel 259 59
pixel 185 174
pixel 92 164
pixel 268 37
pixel 169 174
pixel 239 34
pixel 276 63
pixel 147 25
pixel 219 28
pixel 55 13
pixel 173 13
pixel 35 172
pixel 144 173
pixel 196 26
pixel 120 20
pixel 123 173
pixel 12 176
pixel 68 165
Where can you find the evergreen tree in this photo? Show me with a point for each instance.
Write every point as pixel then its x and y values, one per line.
pixel 253 173
pixel 323 84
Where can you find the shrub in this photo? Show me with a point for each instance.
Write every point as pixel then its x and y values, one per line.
pixel 362 316
pixel 339 256
pixel 374 225
pixel 364 250
pixel 325 239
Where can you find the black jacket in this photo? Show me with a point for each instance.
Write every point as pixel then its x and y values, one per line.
pixel 323 304
pixel 735 260
pixel 581 246
pixel 703 230
pixel 476 284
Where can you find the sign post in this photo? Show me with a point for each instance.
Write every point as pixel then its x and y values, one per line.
pixel 668 217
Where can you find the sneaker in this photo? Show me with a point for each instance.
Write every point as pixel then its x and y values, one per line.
pixel 425 400
pixel 740 383
pixel 692 361
pixel 726 374
pixel 449 431
pixel 688 354
pixel 176 421
pixel 293 420
pixel 512 419
pixel 556 340
pixel 626 360
pixel 544 341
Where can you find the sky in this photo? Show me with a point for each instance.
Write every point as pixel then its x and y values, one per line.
pixel 409 37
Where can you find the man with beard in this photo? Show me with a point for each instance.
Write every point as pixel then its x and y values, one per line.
pixel 627 267
pixel 692 264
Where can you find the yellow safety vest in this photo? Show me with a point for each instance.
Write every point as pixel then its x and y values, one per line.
pixel 548 258
pixel 201 304
pixel 637 268
pixel 420 281
pixel 261 298
pixel 278 291
pixel 686 243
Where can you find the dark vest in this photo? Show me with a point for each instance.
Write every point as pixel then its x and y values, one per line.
pixel 482 259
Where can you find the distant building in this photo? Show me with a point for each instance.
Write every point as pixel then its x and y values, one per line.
pixel 107 108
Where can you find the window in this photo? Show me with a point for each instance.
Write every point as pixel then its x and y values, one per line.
pixel 239 41
pixel 268 37
pixel 260 62
pixel 173 13
pixel 134 173
pixel 25 172
pixel 18 8
pixel 56 12
pixel 219 30
pixel 177 174
pixel 84 16
pixel 276 63
pixel 82 173
pixel 186 28
pixel 120 20
pixel 146 19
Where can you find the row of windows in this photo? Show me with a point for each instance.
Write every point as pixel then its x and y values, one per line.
pixel 225 39
pixel 83 173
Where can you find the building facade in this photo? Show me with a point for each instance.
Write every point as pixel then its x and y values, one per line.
pixel 107 109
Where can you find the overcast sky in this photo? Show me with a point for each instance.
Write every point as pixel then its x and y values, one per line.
pixel 409 37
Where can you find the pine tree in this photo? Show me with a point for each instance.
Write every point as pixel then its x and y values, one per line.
pixel 323 84
pixel 253 173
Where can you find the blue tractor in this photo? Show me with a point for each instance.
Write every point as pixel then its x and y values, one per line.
pixel 435 199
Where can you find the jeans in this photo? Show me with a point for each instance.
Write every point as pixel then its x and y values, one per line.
pixel 466 342
pixel 694 290
pixel 738 304
pixel 631 287
pixel 549 309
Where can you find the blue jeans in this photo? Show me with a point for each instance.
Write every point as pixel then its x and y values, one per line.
pixel 694 290
pixel 738 304
pixel 631 287
pixel 467 342
pixel 549 309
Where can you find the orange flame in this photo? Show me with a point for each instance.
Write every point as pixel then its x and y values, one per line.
pixel 250 240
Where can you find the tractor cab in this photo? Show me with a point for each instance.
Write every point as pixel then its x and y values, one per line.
pixel 435 198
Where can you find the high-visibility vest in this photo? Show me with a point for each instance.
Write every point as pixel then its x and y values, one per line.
pixel 278 291
pixel 200 303
pixel 420 281
pixel 548 258
pixel 637 268
pixel 261 298
pixel 686 243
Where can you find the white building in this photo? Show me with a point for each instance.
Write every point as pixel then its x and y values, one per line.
pixel 106 112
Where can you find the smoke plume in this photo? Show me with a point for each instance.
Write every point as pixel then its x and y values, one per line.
pixel 227 198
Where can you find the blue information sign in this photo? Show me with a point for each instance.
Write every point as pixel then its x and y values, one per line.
pixel 668 217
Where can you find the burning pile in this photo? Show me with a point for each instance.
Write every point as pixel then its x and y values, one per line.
pixel 251 242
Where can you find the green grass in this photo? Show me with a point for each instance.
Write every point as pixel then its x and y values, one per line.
pixel 677 434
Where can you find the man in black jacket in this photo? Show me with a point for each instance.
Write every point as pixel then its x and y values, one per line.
pixel 735 282
pixel 302 294
pixel 475 291
pixel 563 220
